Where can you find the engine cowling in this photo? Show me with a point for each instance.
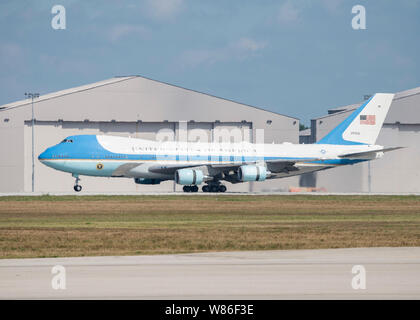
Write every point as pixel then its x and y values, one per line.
pixel 189 176
pixel 147 181
pixel 252 173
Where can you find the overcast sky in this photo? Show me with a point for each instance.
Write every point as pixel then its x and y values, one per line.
pixel 297 58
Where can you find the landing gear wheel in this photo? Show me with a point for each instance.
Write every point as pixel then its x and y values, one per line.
pixel 190 188
pixel 222 188
pixel 77 187
pixel 214 187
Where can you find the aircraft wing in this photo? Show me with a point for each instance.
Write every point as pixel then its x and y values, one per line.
pixel 223 171
pixel 367 154
pixel 123 169
pixel 170 169
pixel 277 165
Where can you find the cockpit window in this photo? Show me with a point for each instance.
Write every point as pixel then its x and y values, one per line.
pixel 67 140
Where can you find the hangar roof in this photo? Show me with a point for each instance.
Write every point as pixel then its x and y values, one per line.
pixel 132 98
pixel 60 93
pixel 405 108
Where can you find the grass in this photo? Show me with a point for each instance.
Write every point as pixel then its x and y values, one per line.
pixel 58 226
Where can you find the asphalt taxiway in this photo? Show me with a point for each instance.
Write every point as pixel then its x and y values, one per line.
pixel 391 273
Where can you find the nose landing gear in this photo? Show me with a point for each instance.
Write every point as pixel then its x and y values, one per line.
pixel 77 187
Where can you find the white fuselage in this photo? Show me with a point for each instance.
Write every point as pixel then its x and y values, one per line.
pixel 112 154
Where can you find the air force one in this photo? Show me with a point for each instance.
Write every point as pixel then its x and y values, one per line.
pixel 191 164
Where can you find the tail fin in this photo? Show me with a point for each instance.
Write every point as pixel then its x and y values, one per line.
pixel 363 125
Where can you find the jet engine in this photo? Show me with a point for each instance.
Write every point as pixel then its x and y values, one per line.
pixel 147 181
pixel 252 173
pixel 189 176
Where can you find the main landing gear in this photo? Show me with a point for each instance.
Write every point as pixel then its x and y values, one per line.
pixel 77 187
pixel 214 187
pixel 190 188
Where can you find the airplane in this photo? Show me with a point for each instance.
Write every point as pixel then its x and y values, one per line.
pixel 193 163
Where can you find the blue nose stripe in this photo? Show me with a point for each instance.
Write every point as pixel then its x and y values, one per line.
pixel 80 147
pixel 71 154
pixel 45 155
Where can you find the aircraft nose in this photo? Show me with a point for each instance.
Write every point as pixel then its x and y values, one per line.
pixel 45 155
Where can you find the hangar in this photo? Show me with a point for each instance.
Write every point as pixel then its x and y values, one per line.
pixel 397 171
pixel 132 106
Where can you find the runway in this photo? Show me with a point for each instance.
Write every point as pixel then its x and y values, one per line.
pixel 391 273
pixel 198 194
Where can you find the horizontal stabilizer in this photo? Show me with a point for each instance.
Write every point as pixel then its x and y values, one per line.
pixel 293 160
pixel 368 154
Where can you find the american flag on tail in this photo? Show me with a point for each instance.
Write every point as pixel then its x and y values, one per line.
pixel 367 119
